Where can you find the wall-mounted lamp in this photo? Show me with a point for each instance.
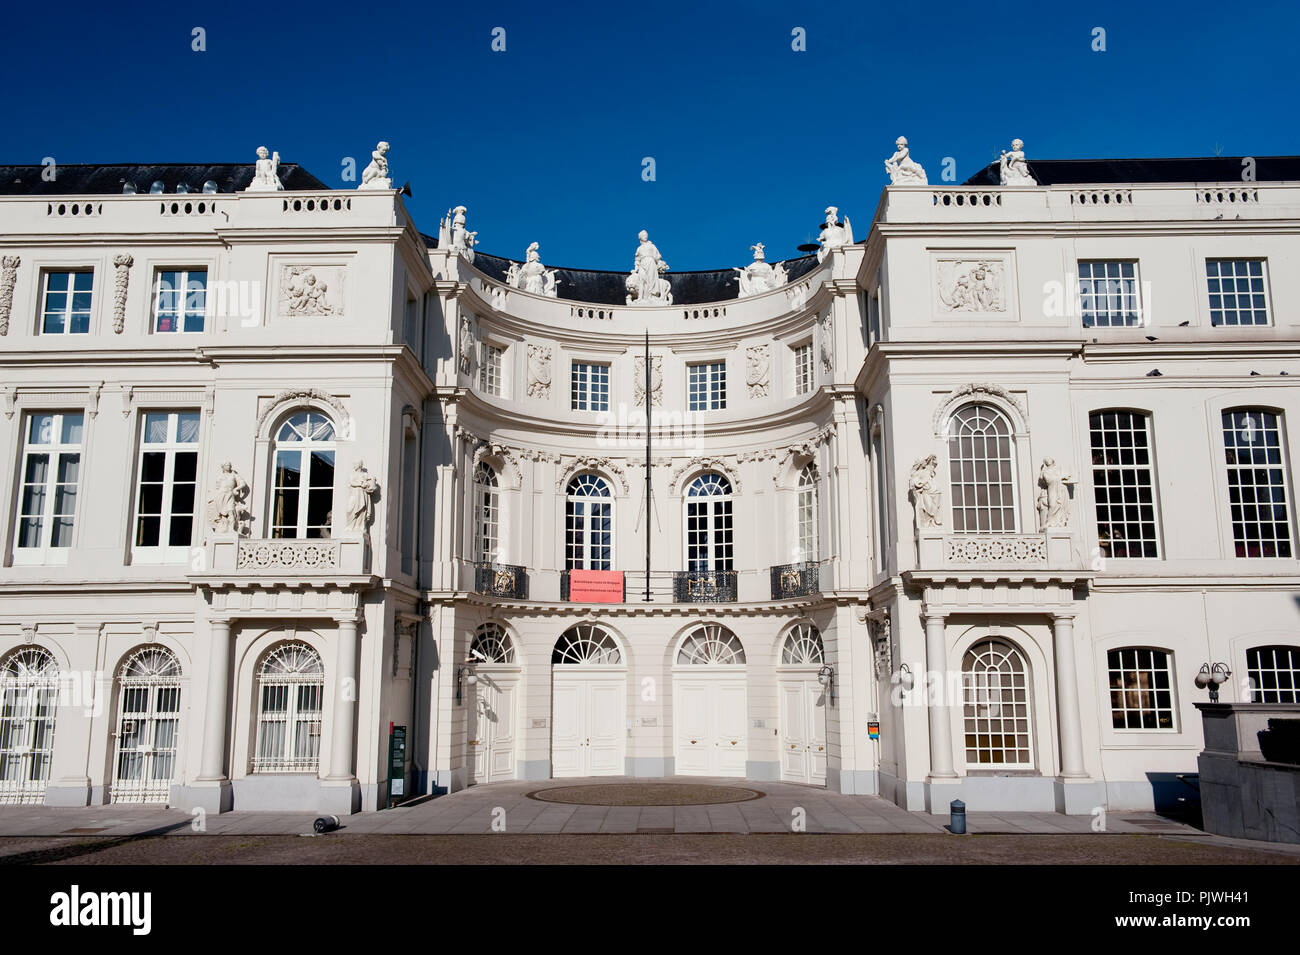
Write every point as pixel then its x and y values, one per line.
pixel 1212 677
pixel 905 678
pixel 464 672
pixel 826 675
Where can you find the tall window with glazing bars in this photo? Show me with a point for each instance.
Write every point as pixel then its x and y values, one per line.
pixel 1123 484
pixel 1257 483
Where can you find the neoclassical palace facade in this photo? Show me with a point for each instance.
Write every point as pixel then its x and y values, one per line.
pixel 958 507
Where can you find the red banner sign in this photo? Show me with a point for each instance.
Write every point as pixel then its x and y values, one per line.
pixel 596 586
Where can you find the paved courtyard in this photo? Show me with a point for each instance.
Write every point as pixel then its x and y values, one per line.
pixel 506 807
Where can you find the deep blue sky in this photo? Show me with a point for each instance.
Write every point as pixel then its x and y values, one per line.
pixel 545 141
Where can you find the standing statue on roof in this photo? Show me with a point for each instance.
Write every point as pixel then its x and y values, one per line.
pixel 759 276
pixel 645 286
pixel 833 234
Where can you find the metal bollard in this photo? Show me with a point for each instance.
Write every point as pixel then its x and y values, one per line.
pixel 957 817
pixel 325 823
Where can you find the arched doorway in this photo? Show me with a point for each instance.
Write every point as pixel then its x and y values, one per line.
pixel 29 695
pixel 493 706
pixel 803 706
pixel 148 716
pixel 709 703
pixel 589 703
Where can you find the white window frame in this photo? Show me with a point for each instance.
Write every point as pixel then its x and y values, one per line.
pixel 1264 291
pixel 588 545
pixel 290 758
pixel 706 386
pixel 806 530
pixel 169 448
pixel 490 369
pixel 970 697
pixel 589 383
pixel 304 448
pixel 67 311
pixel 45 552
pixel 1125 487
pixel 805 375
pixel 718 514
pixel 1130 289
pixel 183 312
pixel 29 698
pixel 1287 695
pixel 1012 482
pixel 487 515
pixel 148 726
pixel 1284 465
pixel 1133 665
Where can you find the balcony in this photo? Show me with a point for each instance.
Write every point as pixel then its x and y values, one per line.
pixel 500 580
pixel 796 580
pixel 307 557
pixel 704 586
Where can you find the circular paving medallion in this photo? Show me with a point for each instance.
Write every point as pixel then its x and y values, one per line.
pixel 645 794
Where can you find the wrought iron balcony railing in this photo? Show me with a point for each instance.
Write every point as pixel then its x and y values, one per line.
pixel 704 586
pixel 796 580
pixel 500 580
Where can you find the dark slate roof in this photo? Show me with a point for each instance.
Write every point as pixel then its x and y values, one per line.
pixel 108 179
pixel 1058 172
pixel 607 288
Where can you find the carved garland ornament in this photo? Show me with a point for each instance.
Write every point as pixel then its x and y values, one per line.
pixel 121 276
pixel 342 418
pixel 489 452
pixel 8 275
pixel 976 391
pixel 704 464
pixel 592 463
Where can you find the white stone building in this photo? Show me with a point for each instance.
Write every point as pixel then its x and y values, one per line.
pixel 438 473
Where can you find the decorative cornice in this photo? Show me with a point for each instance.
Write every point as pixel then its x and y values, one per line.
pixel 705 463
pixel 291 396
pixel 591 463
pixel 979 390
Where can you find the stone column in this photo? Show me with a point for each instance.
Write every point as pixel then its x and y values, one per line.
pixel 212 765
pixel 1067 696
pixel 345 703
pixel 936 664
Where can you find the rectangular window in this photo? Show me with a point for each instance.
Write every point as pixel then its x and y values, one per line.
pixel 1257 483
pixel 882 504
pixel 803 368
pixel 167 483
pixel 181 300
pixel 708 386
pixel 1141 689
pixel 1237 293
pixel 490 370
pixel 51 474
pixel 1108 294
pixel 65 309
pixel 590 390
pixel 1123 485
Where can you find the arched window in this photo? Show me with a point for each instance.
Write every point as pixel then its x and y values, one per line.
pixel 29 695
pixel 303 498
pixel 148 716
pixel 586 644
pixel 995 705
pixel 709 544
pixel 589 524
pixel 982 470
pixel 1274 674
pixel 806 516
pixel 492 644
pixel 487 514
pixel 1257 483
pixel 290 707
pixel 1141 689
pixel 710 645
pixel 803 647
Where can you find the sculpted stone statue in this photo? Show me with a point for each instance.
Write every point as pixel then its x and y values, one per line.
pixel 375 175
pixel 539 371
pixel 532 276
pixel 758 276
pixel 266 173
pixel 1014 169
pixel 644 285
pixel 466 345
pixel 453 236
pixel 1053 497
pixel 227 510
pixel 833 234
pixel 924 485
pixel 902 169
pixel 758 367
pixel 361 507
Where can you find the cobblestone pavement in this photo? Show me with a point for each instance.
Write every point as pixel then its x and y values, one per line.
pixel 487 808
